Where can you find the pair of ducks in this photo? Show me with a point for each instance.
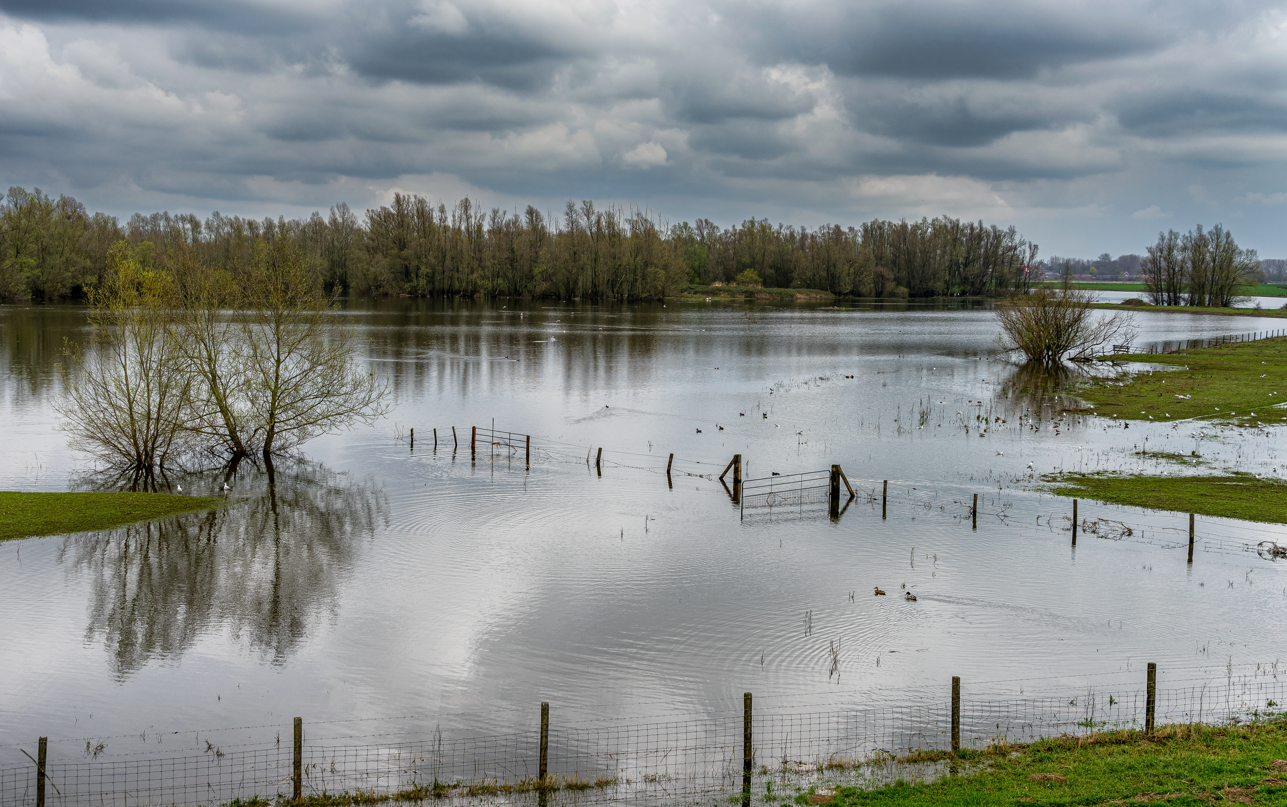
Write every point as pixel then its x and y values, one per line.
pixel 907 595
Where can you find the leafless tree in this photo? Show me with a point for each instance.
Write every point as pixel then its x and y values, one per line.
pixel 1050 325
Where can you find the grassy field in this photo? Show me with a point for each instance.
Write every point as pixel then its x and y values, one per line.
pixel 753 292
pixel 1234 496
pixel 26 515
pixel 1176 765
pixel 1184 309
pixel 1240 383
pixel 1258 290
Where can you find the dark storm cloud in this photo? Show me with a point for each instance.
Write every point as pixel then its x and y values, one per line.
pixel 946 39
pixel 1187 109
pixel 221 15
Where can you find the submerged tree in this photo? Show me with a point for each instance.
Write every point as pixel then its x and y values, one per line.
pixel 271 366
pixel 126 400
pixel 1049 325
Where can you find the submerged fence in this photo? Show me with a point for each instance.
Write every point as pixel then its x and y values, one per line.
pixel 741 754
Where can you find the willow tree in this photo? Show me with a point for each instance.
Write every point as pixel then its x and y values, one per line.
pixel 127 398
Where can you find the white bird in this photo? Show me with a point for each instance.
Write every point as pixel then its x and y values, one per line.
pixel 179 487
pixel 226 488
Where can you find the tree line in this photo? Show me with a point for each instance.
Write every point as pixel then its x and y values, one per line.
pixel 53 249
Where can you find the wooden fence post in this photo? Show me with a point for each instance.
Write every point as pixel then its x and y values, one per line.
pixel 598 461
pixel 1190 537
pixel 455 441
pixel 884 498
pixel 833 497
pixel 1074 522
pixel 413 439
pixel 297 768
pixel 529 451
pixel 545 740
pixel 41 757
pixel 1150 703
pixel 473 439
pixel 747 755
pixel 956 713
pixel 435 438
pixel 974 513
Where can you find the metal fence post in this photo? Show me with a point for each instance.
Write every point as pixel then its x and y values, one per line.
pixel 297 769
pixel 41 756
pixel 956 713
pixel 1150 704
pixel 747 756
pixel 545 740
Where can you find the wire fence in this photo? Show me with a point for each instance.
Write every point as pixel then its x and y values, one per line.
pixel 686 761
pixel 1176 345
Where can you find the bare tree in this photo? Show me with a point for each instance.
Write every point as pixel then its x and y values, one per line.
pixel 1049 325
pixel 127 399
pixel 302 377
pixel 1163 270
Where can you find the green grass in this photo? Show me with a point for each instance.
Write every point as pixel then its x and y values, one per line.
pixel 1275 313
pixel 1178 765
pixel 26 515
pixel 1257 290
pixel 1240 383
pixel 1240 496
pixel 754 292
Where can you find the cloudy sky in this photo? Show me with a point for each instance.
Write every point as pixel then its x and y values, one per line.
pixel 1088 125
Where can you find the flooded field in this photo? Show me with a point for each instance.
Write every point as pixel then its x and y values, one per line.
pixel 376 581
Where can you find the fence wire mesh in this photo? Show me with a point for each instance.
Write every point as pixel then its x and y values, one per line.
pixel 691 761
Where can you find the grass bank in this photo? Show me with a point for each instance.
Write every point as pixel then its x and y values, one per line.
pixel 1241 383
pixel 1176 765
pixel 27 515
pixel 1185 309
pixel 755 293
pixel 1233 496
pixel 1258 290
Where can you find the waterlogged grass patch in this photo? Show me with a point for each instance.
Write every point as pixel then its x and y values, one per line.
pixel 755 292
pixel 27 515
pixel 1177 765
pixel 1240 496
pixel 1239 383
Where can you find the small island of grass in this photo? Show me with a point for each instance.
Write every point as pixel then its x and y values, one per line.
pixel 1239 496
pixel 28 515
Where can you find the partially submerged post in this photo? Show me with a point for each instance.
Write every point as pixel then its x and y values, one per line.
pixel 748 758
pixel 974 512
pixel 833 497
pixel 1190 537
pixel 956 713
pixel 545 740
pixel 297 766
pixel 435 438
pixel 669 463
pixel 1150 703
pixel 598 461
pixel 884 498
pixel 1074 543
pixel 473 439
pixel 453 438
pixel 413 439
pixel 529 451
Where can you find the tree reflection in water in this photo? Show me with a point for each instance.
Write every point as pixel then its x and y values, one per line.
pixel 267 567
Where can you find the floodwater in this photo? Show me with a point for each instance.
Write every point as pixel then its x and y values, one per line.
pixel 374 581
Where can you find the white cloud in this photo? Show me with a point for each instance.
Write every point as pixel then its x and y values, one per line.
pixel 1266 198
pixel 440 16
pixel 645 156
pixel 1152 213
